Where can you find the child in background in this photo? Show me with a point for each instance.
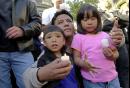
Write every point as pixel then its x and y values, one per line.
pixel 54 41
pixel 94 50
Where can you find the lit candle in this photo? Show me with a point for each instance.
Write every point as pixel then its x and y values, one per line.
pixel 65 58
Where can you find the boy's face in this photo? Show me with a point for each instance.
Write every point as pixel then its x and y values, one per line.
pixel 66 24
pixel 54 41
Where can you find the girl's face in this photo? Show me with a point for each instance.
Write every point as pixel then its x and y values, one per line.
pixel 54 41
pixel 66 24
pixel 89 24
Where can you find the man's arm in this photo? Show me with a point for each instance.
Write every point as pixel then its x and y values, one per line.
pixel 115 32
pixel 33 27
pixel 37 77
pixel 117 35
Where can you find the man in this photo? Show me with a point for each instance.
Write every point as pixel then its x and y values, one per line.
pixel 54 70
pixel 19 24
pixel 48 14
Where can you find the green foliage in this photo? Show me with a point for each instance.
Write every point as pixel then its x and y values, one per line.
pixel 121 3
pixel 75 5
pixel 108 4
pixel 94 2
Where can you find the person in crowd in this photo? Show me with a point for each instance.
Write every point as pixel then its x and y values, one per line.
pixel 121 13
pixel 64 20
pixel 68 28
pixel 94 50
pixel 55 48
pixel 18 27
pixel 122 69
pixel 48 14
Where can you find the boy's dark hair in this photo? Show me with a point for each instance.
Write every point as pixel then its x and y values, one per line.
pixel 62 11
pixel 84 12
pixel 52 28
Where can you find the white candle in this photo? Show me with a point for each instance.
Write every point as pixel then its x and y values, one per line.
pixel 105 42
pixel 65 58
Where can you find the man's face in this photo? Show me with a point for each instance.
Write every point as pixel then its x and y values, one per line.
pixel 66 24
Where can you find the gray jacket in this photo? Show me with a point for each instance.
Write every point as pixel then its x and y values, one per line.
pixel 25 16
pixel 30 76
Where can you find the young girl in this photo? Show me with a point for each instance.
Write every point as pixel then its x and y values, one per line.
pixel 94 51
pixel 54 40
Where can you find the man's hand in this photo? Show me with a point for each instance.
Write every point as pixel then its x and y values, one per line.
pixel 116 34
pixel 14 32
pixel 56 70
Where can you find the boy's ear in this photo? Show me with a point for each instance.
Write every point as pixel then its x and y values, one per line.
pixel 44 43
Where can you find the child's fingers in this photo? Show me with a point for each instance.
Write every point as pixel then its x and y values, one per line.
pixel 86 56
pixel 113 48
pixel 92 74
pixel 93 67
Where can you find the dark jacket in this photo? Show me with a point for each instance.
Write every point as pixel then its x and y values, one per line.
pixel 73 80
pixel 25 16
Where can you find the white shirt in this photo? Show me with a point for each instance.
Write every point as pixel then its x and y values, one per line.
pixel 47 15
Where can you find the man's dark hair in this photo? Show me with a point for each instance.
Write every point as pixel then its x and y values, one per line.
pixel 60 13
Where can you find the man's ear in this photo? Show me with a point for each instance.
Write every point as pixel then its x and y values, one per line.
pixel 64 42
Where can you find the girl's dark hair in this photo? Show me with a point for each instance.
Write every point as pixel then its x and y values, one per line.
pixel 61 12
pixel 85 11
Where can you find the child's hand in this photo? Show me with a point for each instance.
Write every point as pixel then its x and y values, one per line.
pixel 89 67
pixel 109 52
